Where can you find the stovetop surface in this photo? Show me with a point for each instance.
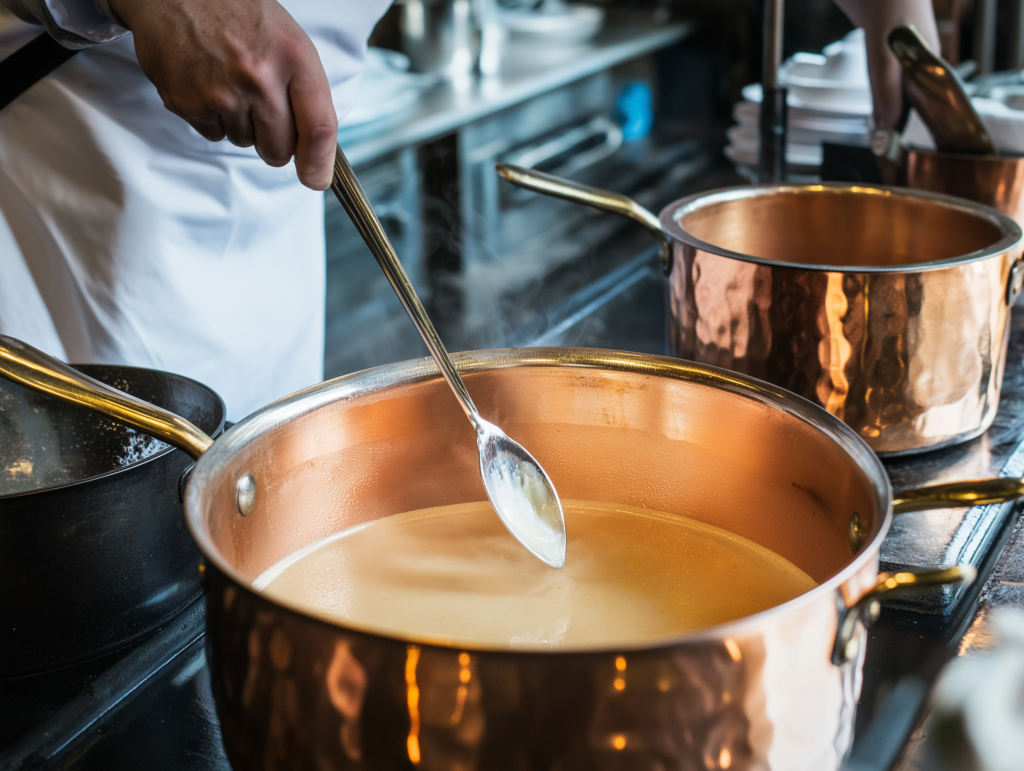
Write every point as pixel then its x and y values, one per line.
pixel 151 705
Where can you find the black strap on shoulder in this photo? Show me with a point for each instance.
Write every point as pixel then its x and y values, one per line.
pixel 30 64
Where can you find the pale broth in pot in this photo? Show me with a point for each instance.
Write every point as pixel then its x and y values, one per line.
pixel 453 574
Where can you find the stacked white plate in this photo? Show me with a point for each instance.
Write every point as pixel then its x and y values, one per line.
pixel 829 100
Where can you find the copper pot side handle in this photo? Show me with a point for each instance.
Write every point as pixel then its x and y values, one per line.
pixel 30 367
pixel 974 492
pixel 616 203
pixel 889 585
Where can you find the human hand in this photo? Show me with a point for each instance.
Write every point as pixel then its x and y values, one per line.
pixel 879 18
pixel 241 69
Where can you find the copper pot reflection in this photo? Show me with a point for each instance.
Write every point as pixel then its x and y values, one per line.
pixel 993 181
pixel 888 307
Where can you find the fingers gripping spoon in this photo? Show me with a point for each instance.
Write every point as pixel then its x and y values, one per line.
pixel 517 487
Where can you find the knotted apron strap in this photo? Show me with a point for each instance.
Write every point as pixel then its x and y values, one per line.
pixel 30 64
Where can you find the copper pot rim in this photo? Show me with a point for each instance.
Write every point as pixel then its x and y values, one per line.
pixel 670 215
pixel 374 383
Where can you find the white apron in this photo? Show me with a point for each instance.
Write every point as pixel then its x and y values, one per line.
pixel 126 238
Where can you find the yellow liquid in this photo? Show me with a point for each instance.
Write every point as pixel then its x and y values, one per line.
pixel 455 574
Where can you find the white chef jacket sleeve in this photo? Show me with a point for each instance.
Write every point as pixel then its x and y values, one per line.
pixel 73 23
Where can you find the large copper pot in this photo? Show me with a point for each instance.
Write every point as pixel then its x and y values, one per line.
pixel 992 180
pixel 774 690
pixel 888 307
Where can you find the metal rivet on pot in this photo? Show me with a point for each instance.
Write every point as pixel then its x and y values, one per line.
pixel 1016 282
pixel 665 255
pixel 855 533
pixel 874 610
pixel 852 649
pixel 246 497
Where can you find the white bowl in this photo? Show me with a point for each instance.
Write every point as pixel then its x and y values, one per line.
pixel 570 24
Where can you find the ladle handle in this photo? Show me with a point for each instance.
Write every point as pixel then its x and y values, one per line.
pixel 973 492
pixel 30 367
pixel 616 203
pixel 350 193
pixel 933 89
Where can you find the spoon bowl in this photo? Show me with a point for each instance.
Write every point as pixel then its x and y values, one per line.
pixel 522 494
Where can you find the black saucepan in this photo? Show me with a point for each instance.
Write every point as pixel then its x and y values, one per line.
pixel 94 552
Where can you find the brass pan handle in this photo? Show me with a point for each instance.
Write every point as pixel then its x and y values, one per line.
pixel 974 492
pixel 616 203
pixel 30 367
pixel 889 585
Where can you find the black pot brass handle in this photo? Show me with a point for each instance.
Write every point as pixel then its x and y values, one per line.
pixel 30 367
pixel 616 203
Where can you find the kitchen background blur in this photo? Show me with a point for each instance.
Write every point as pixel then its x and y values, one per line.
pixel 645 97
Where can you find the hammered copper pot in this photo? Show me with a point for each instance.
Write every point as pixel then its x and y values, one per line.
pixel 888 307
pixel 775 690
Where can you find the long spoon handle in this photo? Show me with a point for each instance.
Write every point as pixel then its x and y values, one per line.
pixel 30 367
pixel 350 193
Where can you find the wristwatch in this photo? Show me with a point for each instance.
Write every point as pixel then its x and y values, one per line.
pixel 885 143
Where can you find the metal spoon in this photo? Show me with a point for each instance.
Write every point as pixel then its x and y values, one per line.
pixel 518 488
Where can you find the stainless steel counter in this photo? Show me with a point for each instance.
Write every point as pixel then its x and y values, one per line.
pixel 527 71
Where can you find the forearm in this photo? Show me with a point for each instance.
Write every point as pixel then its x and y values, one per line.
pixel 73 23
pixel 879 18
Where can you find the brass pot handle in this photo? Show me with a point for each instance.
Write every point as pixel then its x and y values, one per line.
pixel 616 203
pixel 30 367
pixel 867 608
pixel 973 492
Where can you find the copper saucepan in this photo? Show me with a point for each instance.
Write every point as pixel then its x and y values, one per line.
pixel 777 689
pixel 888 307
pixel 996 181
